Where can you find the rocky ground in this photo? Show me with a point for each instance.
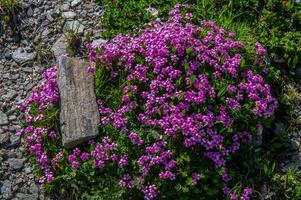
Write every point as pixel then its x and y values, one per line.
pixel 24 54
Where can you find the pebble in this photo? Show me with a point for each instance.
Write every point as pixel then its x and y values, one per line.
pixel 96 43
pixel 75 2
pixel 15 139
pixel 75 26
pixel 3 119
pixel 30 12
pixel 69 15
pixel 16 163
pixel 6 189
pixel 4 138
pixel 21 56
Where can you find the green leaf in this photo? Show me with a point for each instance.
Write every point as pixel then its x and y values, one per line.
pixel 186 67
pixel 191 79
pixel 189 50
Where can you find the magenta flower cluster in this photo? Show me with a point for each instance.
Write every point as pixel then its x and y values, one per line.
pixel 184 81
pixel 176 71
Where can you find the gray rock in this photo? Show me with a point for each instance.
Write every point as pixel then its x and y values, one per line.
pixel 22 196
pixel 96 43
pixel 4 138
pixel 153 11
pixel 75 2
pixel 15 140
pixel 29 12
pixel 45 33
pixel 65 7
pixel 79 117
pixel 16 163
pixel 60 47
pixel 11 94
pixel 34 189
pixel 11 154
pixel 27 69
pixel 49 17
pixel 12 118
pixel 3 119
pixel 28 170
pixel 6 189
pixel 21 56
pixel 69 15
pixel 74 26
pixel 7 55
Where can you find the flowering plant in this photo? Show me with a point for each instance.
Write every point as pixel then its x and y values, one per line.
pixel 176 102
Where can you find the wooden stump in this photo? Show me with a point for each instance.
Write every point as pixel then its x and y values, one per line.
pixel 79 115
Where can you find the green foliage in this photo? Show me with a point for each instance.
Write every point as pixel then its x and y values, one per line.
pixel 8 9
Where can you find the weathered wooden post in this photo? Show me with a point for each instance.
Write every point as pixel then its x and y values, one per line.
pixel 79 116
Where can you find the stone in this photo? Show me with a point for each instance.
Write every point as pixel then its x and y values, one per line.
pixel 15 139
pixel 69 15
pixel 11 94
pixel 4 138
pixel 45 33
pixel 29 12
pixel 22 196
pixel 153 11
pixel 12 118
pixel 98 42
pixel 27 69
pixel 79 115
pixel 6 189
pixel 75 2
pixel 49 17
pixel 60 47
pixel 65 7
pixel 21 56
pixel 75 26
pixel 16 163
pixel 3 119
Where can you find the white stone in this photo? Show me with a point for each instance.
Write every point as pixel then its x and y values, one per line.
pixel 98 42
pixel 3 119
pixel 21 56
pixel 75 26
pixel 153 11
pixel 75 2
pixel 69 15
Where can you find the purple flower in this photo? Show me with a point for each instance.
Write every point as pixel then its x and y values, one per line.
pixel 195 178
pixel 150 192
pixel 123 161
pixel 246 195
pixel 84 156
pixel 74 164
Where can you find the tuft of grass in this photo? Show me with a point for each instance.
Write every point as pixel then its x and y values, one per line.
pixel 8 11
pixel 8 8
